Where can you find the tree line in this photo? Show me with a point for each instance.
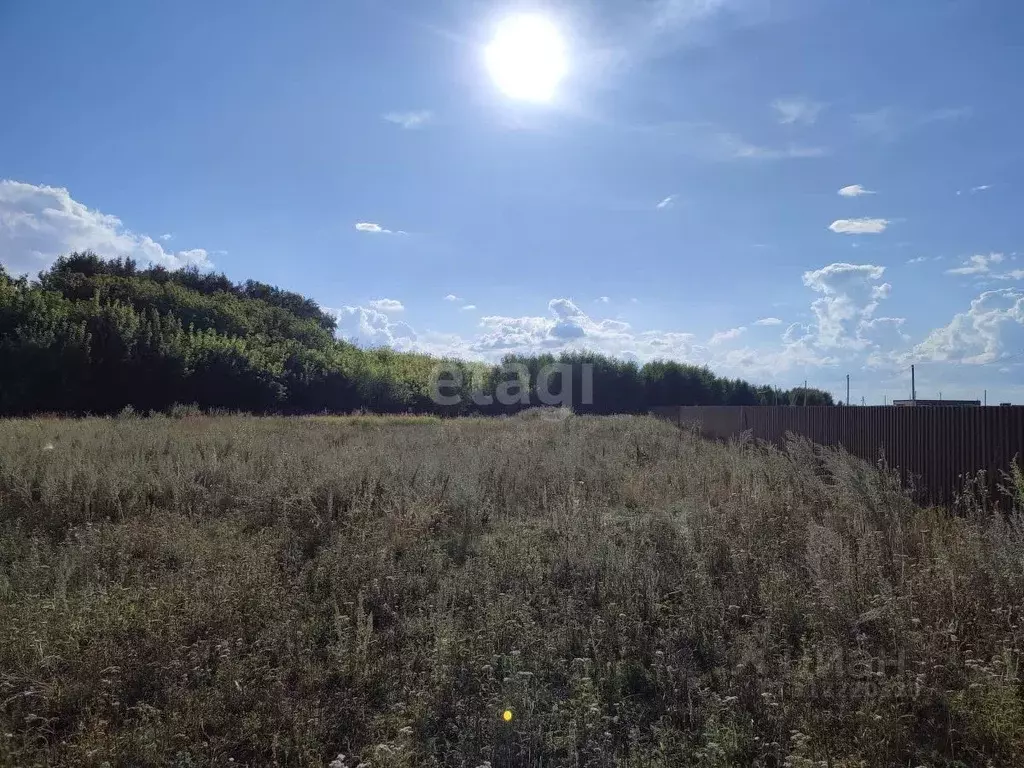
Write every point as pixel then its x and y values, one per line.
pixel 92 335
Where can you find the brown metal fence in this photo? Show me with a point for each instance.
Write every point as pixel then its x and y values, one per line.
pixel 935 447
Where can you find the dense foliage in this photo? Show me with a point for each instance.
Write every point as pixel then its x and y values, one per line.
pixel 95 336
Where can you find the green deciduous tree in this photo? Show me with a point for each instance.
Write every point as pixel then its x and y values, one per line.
pixel 93 335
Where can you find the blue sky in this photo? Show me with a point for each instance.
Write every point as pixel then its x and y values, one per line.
pixel 678 197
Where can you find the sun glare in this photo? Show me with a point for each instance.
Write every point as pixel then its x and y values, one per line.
pixel 527 58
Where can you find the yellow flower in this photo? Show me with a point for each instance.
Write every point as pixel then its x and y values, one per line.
pixel 507 715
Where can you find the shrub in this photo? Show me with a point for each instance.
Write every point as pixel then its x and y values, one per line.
pixel 184 411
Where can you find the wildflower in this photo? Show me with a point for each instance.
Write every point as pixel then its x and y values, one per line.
pixel 507 715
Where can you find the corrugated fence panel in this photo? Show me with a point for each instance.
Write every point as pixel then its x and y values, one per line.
pixel 936 448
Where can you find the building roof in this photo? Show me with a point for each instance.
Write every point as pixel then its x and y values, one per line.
pixel 936 403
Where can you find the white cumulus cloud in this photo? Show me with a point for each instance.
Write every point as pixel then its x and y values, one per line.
pixel 994 323
pixel 387 306
pixel 38 223
pixel 850 295
pixel 369 327
pixel 859 226
pixel 567 326
pixel 840 278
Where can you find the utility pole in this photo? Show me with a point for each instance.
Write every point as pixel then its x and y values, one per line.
pixel 805 393
pixel 986 397
pixel 847 389
pixel 913 386
pixel 885 399
pixel 862 399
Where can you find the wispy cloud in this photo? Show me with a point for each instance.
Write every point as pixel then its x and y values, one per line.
pixel 708 141
pixel 723 336
pixel 890 123
pixel 603 299
pixel 666 203
pixel 670 13
pixel 387 306
pixel 859 226
pixel 944 114
pixel 166 236
pixel 768 321
pixel 796 109
pixel 918 260
pixel 979 264
pixel 452 297
pixel 650 29
pixel 880 122
pixel 409 120
pixel 975 190
pixel 855 190
pixel 736 147
pixel 468 307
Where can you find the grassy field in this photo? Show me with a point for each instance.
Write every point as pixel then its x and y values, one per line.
pixel 337 592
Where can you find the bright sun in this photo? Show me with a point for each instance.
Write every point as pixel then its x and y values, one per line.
pixel 527 58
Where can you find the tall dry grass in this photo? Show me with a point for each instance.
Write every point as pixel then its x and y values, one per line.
pixel 327 591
